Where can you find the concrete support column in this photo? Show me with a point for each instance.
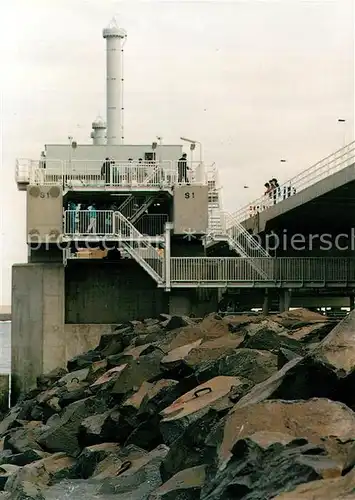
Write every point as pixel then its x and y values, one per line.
pixel 351 302
pixel 37 328
pixel 285 300
pixel 179 305
pixel 266 302
pixel 199 302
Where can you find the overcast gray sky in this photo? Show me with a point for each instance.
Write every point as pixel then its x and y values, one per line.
pixel 254 81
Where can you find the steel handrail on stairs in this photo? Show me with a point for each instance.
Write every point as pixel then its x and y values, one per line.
pixel 241 241
pixel 139 248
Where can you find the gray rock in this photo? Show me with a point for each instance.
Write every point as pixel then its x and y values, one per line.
pixel 10 420
pixel 91 456
pixel 83 360
pixel 251 364
pixel 63 435
pixel 93 430
pixel 143 369
pixel 48 379
pixel 24 438
pixel 6 471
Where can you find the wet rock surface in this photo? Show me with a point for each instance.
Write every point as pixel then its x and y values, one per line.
pixel 177 408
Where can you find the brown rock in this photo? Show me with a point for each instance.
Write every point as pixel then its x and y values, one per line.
pixel 40 473
pixel 185 484
pixel 194 404
pixel 300 315
pixel 134 402
pixel 337 350
pixel 317 420
pixel 176 356
pixel 109 376
pixel 212 349
pixel 312 333
pixel 340 488
pixel 235 323
pixel 209 328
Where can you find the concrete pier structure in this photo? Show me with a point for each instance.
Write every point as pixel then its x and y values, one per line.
pixel 118 232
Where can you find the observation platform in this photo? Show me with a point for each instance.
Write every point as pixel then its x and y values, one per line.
pixel 122 177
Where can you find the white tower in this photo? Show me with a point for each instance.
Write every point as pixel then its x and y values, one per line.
pixel 98 134
pixel 115 37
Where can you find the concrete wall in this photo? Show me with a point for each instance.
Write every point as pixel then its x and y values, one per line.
pixel 110 292
pixel 40 339
pixel 190 213
pixel 44 213
pixel 37 322
pixel 82 338
pixel 195 302
pixel 88 156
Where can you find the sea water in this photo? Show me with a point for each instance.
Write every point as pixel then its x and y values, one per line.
pixel 5 347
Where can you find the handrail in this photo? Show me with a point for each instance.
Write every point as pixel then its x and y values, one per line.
pixel 89 172
pixel 298 270
pixel 112 223
pixel 334 162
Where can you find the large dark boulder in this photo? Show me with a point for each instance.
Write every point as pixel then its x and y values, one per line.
pixel 63 435
pixel 257 471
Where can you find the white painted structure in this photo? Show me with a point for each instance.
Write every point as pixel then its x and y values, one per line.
pixel 99 132
pixel 96 154
pixel 115 38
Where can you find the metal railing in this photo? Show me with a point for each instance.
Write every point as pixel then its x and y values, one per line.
pixel 333 163
pixel 241 241
pixel 90 173
pixel 294 270
pixel 142 251
pixel 112 223
pixel 241 238
pixel 86 222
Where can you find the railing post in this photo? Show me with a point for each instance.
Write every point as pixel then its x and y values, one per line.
pixel 167 255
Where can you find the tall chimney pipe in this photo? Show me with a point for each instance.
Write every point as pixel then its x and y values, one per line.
pixel 114 42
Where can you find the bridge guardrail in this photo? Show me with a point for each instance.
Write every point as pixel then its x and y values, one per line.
pixel 278 270
pixel 333 163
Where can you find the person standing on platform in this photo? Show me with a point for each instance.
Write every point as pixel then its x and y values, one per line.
pixel 92 219
pixel 182 169
pixel 106 170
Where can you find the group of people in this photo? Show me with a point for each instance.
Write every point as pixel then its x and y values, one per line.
pixel 84 219
pixel 275 193
pixel 141 171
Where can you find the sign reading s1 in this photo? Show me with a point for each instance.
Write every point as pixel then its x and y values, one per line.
pixel 189 195
pixel 44 195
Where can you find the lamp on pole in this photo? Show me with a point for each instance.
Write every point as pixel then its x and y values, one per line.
pixel 343 121
pixel 192 142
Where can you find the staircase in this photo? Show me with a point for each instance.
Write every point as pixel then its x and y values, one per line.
pixel 133 208
pixel 241 241
pixel 141 250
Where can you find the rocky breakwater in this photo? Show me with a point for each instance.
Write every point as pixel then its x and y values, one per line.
pixel 240 407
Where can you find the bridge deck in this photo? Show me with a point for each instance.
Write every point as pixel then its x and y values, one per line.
pixel 325 176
